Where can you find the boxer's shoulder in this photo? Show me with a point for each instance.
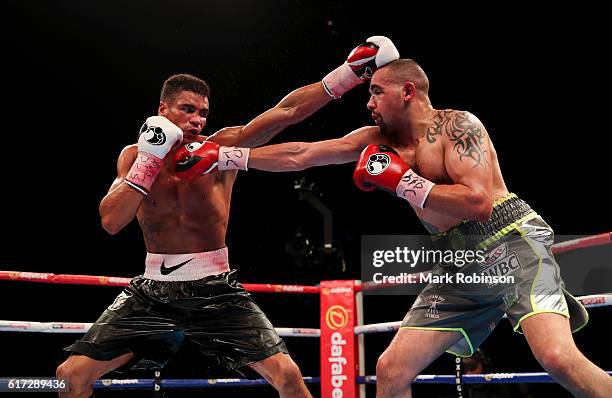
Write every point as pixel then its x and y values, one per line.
pixel 453 124
pixel 129 150
pixel 358 139
pixel 127 156
pixel 441 116
pixel 365 134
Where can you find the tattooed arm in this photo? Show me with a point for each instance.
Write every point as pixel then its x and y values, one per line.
pixel 467 158
pixel 295 107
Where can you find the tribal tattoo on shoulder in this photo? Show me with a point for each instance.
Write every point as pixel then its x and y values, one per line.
pixel 465 132
pixel 440 118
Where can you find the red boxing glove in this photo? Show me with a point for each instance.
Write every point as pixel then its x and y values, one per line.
pixel 379 166
pixel 199 158
pixel 195 159
pixel 361 63
pixel 376 52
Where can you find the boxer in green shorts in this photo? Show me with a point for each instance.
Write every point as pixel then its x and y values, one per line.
pixel 516 242
pixel 444 164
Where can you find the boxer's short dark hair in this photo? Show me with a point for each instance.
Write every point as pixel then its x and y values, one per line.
pixel 183 82
pixel 409 70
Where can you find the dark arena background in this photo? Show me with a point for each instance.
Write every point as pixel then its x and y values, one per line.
pixel 80 77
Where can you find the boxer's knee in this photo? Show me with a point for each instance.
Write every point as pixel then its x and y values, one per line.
pixel 289 377
pixel 79 383
pixel 281 372
pixel 391 370
pixel 558 361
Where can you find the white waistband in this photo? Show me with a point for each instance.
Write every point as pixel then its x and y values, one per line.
pixel 185 267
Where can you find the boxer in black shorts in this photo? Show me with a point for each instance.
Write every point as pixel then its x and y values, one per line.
pixel 443 163
pixel 188 291
pixel 151 319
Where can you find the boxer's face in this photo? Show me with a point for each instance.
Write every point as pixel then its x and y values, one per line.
pixel 386 101
pixel 189 112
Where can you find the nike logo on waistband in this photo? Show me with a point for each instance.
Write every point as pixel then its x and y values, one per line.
pixel 166 270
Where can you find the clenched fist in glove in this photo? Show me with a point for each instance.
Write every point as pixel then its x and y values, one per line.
pixel 158 136
pixel 380 166
pixel 197 158
pixel 360 65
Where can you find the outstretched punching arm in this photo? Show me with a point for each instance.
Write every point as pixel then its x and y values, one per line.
pixel 295 107
pixel 303 102
pixel 200 158
pixel 295 156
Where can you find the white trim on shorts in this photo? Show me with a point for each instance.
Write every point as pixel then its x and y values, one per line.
pixel 187 266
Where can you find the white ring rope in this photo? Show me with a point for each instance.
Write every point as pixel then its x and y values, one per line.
pixel 591 301
pixel 76 327
pixel 594 300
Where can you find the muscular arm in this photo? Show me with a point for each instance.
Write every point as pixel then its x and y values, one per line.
pixel 120 204
pixel 467 157
pixel 295 107
pixel 295 156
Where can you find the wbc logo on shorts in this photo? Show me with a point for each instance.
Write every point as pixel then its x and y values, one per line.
pixel 495 254
pixel 377 163
pixel 153 135
pixel 500 262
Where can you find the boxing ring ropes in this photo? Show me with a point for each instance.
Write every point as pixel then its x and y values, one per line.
pixel 341 333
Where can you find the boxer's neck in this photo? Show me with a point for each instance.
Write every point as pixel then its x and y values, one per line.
pixel 415 122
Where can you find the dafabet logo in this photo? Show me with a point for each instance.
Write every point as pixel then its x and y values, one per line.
pixel 336 317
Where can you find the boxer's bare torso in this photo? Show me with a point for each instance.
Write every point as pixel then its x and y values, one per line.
pixel 179 216
pixel 447 130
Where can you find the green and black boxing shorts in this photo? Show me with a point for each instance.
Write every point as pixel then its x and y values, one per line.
pixel 515 242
